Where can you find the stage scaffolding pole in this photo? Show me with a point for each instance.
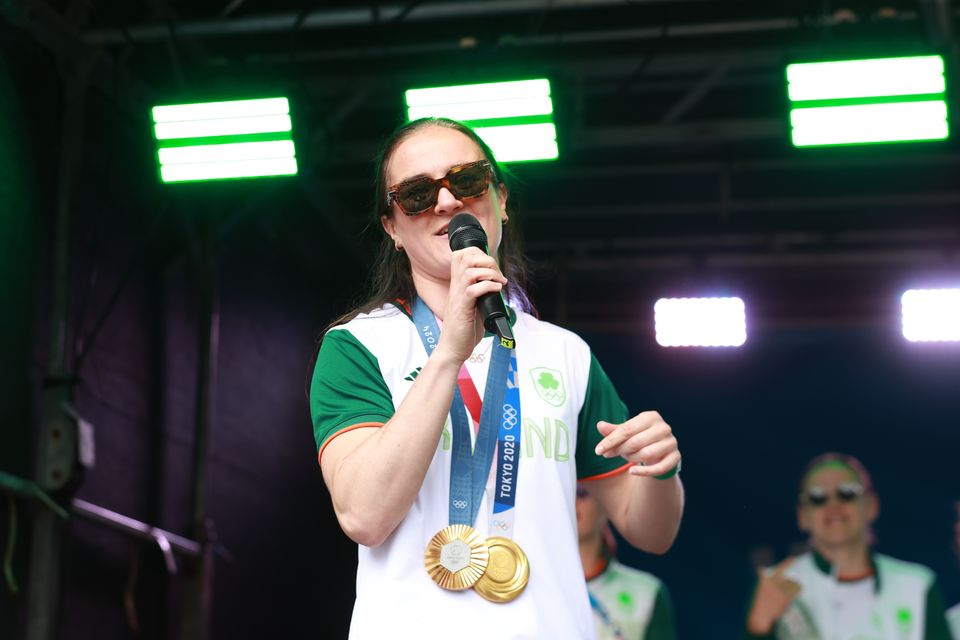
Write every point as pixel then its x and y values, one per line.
pixel 55 467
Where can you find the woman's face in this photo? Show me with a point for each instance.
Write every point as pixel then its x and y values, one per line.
pixel 431 152
pixel 837 522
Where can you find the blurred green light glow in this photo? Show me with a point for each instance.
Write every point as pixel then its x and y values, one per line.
pixel 863 123
pixel 227 152
pixel 522 142
pixel 482 110
pixel 486 92
pixel 848 102
pixel 224 127
pixel 514 118
pixel 224 140
pixel 221 110
pixel 866 78
pixel 225 170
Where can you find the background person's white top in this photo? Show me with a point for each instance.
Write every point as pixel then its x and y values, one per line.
pixel 953 617
pixel 860 610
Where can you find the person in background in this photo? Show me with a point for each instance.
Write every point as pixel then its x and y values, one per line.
pixel 628 604
pixel 841 589
pixel 462 514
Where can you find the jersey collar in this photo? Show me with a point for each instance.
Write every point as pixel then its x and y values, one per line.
pixel 823 565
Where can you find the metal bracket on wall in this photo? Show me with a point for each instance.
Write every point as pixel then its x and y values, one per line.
pixel 167 542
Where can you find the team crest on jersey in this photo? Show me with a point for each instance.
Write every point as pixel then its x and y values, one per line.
pixel 549 385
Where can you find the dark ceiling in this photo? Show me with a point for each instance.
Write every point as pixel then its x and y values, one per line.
pixel 675 175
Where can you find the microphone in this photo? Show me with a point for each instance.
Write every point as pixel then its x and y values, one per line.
pixel 465 231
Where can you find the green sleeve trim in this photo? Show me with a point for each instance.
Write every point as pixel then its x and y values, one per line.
pixel 601 402
pixel 935 616
pixel 671 473
pixel 661 622
pixel 347 387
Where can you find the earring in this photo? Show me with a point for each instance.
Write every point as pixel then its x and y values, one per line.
pixel 396 244
pixel 505 220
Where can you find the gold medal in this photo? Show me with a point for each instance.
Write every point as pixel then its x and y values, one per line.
pixel 507 571
pixel 456 557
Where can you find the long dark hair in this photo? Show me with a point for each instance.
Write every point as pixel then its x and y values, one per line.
pixel 391 278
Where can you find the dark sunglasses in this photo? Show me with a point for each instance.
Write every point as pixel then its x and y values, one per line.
pixel 415 196
pixel 818 496
pixel 582 493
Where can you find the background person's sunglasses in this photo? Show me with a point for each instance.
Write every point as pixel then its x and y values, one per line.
pixel 846 492
pixel 415 196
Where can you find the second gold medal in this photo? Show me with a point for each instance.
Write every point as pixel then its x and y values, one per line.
pixel 508 571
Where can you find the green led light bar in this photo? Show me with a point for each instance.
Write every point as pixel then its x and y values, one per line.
pixel 225 140
pixel 868 101
pixel 514 118
pixel 864 78
pixel 864 123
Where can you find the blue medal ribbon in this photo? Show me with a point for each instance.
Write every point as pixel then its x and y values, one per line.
pixel 469 471
pixel 508 449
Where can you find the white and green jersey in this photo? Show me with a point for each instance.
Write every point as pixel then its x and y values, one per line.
pixel 953 618
pixel 629 604
pixel 898 602
pixel 365 369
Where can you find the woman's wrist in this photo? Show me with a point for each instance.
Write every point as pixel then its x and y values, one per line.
pixel 444 359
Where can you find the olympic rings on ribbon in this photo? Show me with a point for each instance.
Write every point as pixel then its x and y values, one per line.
pixel 509 415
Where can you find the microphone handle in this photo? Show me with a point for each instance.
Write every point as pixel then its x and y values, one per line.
pixel 493 310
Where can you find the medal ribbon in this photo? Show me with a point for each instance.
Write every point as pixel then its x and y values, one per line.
pixel 508 455
pixel 468 472
pixel 508 446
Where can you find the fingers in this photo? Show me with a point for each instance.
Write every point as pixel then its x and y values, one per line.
pixel 648 445
pixel 472 274
pixel 617 435
pixel 789 588
pixel 472 257
pixel 783 566
pixel 645 440
pixel 476 274
pixel 483 287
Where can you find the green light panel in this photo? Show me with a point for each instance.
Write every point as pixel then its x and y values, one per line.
pixel 514 118
pixel 868 101
pixel 866 78
pixel 225 140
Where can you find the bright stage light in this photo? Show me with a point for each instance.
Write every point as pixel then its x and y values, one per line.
pixel 861 123
pixel 514 118
pixel 868 101
pixel 866 78
pixel 931 315
pixel 225 140
pixel 700 322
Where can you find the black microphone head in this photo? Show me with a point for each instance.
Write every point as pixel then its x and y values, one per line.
pixel 465 231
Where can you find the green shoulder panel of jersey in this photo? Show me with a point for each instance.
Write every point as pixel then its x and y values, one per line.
pixel 347 387
pixel 600 403
pixel 661 625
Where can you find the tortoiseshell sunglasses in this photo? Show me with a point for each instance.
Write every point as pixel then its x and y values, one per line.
pixel 415 196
